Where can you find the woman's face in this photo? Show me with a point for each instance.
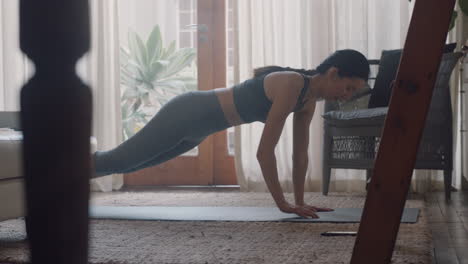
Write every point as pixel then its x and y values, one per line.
pixel 340 88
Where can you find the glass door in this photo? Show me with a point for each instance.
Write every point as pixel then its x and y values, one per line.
pixel 167 48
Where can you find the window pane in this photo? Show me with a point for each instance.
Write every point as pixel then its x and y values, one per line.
pixel 185 39
pixel 185 19
pixel 230 19
pixel 185 5
pixel 230 58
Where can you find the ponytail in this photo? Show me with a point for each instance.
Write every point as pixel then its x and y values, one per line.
pixel 269 69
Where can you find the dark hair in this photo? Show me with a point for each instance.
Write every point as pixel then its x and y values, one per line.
pixel 350 63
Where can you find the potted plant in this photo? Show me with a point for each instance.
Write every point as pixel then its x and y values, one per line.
pixel 150 76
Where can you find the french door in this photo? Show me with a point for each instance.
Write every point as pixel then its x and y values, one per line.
pixel 201 26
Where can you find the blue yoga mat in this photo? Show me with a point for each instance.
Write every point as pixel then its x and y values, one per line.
pixel 262 214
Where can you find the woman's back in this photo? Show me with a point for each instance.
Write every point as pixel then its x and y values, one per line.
pixel 252 101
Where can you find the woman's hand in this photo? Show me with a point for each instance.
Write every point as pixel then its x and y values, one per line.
pixel 306 211
pixel 316 209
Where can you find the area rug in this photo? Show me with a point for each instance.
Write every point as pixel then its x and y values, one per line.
pixel 123 241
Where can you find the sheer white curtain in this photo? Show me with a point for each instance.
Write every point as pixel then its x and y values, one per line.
pixel 300 34
pixel 288 33
pixel 15 68
pixel 101 69
pixel 142 15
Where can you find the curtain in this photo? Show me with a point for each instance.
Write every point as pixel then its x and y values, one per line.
pixel 142 15
pixel 15 67
pixel 101 69
pixel 297 34
pixel 300 34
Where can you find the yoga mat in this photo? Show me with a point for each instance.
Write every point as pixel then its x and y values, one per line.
pixel 262 214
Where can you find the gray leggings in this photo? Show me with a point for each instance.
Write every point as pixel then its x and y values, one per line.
pixel 180 125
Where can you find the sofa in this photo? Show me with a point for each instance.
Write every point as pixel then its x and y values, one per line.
pixel 11 177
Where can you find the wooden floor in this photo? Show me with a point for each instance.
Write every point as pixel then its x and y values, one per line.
pixel 449 226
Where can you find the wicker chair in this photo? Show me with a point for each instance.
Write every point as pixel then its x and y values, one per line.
pixel 352 129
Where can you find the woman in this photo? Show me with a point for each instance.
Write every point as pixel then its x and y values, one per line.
pixel 270 96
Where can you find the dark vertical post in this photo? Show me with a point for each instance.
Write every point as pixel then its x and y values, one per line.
pixel 402 131
pixel 56 122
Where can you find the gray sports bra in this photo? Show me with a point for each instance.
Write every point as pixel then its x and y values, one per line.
pixel 251 102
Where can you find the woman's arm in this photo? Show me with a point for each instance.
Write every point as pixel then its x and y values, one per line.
pixel 283 102
pixel 301 127
pixel 285 88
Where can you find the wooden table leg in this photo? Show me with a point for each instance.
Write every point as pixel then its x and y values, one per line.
pixel 56 123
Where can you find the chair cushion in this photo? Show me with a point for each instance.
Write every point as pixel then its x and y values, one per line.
pixel 361 117
pixel 388 66
pixel 389 61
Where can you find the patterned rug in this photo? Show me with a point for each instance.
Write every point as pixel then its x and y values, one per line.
pixel 122 241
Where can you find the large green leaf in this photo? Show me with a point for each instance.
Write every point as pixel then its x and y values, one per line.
pixel 128 77
pixel 141 75
pixel 137 48
pixel 129 82
pixel 137 105
pixel 124 109
pixel 154 45
pixel 130 93
pixel 124 56
pixel 177 84
pixel 191 84
pixel 178 61
pixel 127 73
pixel 156 68
pixel 139 117
pixel 146 87
pixel 128 128
pixel 168 52
pixel 136 71
pixel 146 100
pixel 160 93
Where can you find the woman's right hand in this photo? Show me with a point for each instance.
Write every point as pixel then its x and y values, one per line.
pixel 304 211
